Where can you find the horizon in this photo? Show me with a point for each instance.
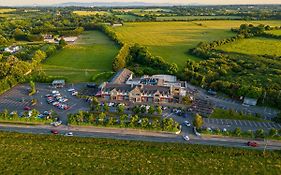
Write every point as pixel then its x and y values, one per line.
pixel 16 3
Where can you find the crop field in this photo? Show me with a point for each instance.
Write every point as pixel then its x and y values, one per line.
pixel 90 55
pixel 172 40
pixel 254 46
pixel 71 155
pixel 128 17
pixel 195 17
pixel 88 13
pixel 7 10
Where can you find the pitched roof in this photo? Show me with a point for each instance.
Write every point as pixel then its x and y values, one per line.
pixel 121 76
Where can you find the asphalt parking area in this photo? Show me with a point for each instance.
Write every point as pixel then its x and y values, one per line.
pixel 243 124
pixel 17 98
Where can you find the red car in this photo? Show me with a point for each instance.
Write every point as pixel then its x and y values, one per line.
pixel 252 144
pixel 54 132
pixel 27 108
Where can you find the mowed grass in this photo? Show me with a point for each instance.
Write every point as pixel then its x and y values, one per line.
pixel 89 13
pixel 41 154
pixel 172 40
pixel 90 55
pixel 275 32
pixel 254 46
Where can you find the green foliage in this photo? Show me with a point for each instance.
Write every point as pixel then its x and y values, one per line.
pixel 198 121
pixel 32 90
pixel 159 110
pixel 259 133
pixel 230 114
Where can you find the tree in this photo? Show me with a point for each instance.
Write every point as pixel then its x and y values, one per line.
pixel 143 109
pixel 198 121
pixel 101 117
pixel 151 110
pixel 273 132
pixel 110 121
pixel 32 90
pixel 144 123
pixel 123 120
pixel 156 124
pixel 34 113
pixel 120 109
pixel 105 107
pixel 159 110
pixel 134 121
pixel 237 131
pixel 136 109
pixel 62 43
pixel 95 103
pixel 259 133
pixel 186 100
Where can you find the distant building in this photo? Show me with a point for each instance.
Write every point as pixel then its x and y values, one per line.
pixel 122 76
pixel 117 25
pixel 58 83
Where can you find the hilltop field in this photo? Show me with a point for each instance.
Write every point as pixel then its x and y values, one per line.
pixel 172 40
pixel 71 155
pixel 90 55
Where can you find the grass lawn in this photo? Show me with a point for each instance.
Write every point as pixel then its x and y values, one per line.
pixel 254 46
pixel 91 54
pixel 88 13
pixel 41 154
pixel 7 10
pixel 275 32
pixel 128 17
pixel 228 114
pixel 172 40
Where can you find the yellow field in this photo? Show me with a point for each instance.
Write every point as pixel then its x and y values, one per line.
pixel 275 32
pixel 89 13
pixel 7 10
pixel 172 40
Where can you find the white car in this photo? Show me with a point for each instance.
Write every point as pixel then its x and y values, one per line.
pixel 57 123
pixel 55 92
pixel 196 132
pixel 187 123
pixel 69 134
pixel 185 137
pixel 70 90
pixel 74 93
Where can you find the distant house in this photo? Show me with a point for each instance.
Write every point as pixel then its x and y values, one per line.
pixel 12 49
pixel 122 76
pixel 250 101
pixel 117 25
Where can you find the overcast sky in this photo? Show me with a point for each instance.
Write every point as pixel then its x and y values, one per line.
pixel 48 2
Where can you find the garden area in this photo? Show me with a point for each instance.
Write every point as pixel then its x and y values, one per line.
pixel 73 155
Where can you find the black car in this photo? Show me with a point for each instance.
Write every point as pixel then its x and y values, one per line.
pixel 92 85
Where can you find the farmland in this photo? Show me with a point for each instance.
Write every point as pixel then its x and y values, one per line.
pixel 71 155
pixel 88 13
pixel 172 40
pixel 254 46
pixel 91 54
pixel 6 10
pixel 186 18
pixel 275 32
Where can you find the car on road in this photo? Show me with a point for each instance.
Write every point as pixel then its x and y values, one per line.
pixel 27 108
pixel 196 132
pixel 187 123
pixel 186 138
pixel 69 134
pixel 55 92
pixel 74 93
pixel 54 132
pixel 252 144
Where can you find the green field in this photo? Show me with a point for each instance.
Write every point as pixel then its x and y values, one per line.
pixel 7 10
pixel 91 54
pixel 172 40
pixel 254 46
pixel 168 18
pixel 128 17
pixel 40 154
pixel 275 32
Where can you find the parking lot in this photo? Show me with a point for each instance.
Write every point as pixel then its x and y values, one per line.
pixel 243 124
pixel 17 99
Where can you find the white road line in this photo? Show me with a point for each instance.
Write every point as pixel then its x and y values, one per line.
pixel 235 122
pixel 264 124
pixel 250 123
pixel 255 123
pixel 240 123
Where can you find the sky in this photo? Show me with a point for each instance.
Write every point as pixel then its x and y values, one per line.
pixel 50 2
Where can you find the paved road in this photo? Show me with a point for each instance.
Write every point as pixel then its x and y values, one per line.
pixel 139 136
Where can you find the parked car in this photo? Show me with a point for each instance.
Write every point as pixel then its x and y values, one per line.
pixel 54 131
pixel 27 108
pixel 74 93
pixel 185 137
pixel 187 123
pixel 196 132
pixel 55 92
pixel 252 144
pixel 69 134
pixel 70 90
pixel 93 85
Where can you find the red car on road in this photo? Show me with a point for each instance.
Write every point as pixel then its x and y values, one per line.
pixel 27 108
pixel 252 144
pixel 54 132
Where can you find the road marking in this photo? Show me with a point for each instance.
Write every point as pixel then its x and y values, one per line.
pixel 250 123
pixel 264 124
pixel 235 122
pixel 255 123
